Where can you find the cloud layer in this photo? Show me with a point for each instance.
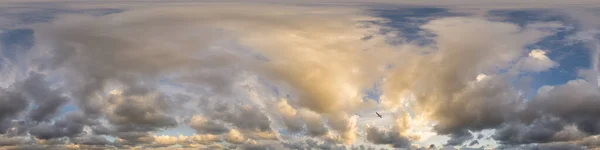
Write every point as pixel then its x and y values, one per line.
pixel 244 77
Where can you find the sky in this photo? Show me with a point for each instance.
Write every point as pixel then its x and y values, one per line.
pixel 291 74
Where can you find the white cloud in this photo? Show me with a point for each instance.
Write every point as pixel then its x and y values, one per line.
pixel 536 61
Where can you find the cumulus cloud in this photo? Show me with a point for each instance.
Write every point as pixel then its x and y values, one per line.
pixel 91 140
pixel 397 136
pixel 235 137
pixel 260 146
pixel 444 83
pixel 314 123
pixel 204 139
pixel 145 110
pixel 48 100
pixel 393 138
pixel 11 141
pixel 204 62
pixel 13 103
pixel 70 125
pixel 549 117
pixel 290 116
pixel 536 61
pixel 203 125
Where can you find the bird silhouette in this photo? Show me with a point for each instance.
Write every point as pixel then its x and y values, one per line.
pixel 378 114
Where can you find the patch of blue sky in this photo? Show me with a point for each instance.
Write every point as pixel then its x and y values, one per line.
pixel 167 81
pixel 527 16
pixel 13 43
pixel 407 20
pixel 31 15
pixel 110 138
pixel 571 56
pixel 69 107
pixel 182 129
pixel 15 40
pixel 373 93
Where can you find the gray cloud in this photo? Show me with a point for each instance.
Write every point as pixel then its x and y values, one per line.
pixel 561 113
pixel 475 142
pixel 546 146
pixel 141 108
pixel 11 141
pixel 393 138
pixel 48 100
pixel 13 103
pixel 134 138
pixel 579 109
pixel 90 140
pixel 362 147
pixel 314 123
pixel 203 125
pixel 309 143
pixel 247 118
pixel 291 118
pixel 459 138
pixel 70 126
pixel 540 131
pixel 263 146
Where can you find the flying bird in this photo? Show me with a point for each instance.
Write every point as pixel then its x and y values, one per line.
pixel 378 115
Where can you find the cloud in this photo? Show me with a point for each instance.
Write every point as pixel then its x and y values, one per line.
pixel 112 66
pixel 540 131
pixel 314 124
pixel 165 140
pixel 91 140
pixel 204 139
pixel 13 104
pixel 345 126
pixel 134 73
pixel 475 142
pixel 222 50
pixel 260 146
pixel 48 100
pixel 235 137
pixel 549 118
pixel 536 61
pixel 443 83
pixel 11 141
pixel 256 120
pixel 377 136
pixel 459 138
pixel 144 110
pixel 203 125
pixel 581 94
pixel 290 116
pixel 549 146
pixel 262 135
pixel 134 138
pixel 71 125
